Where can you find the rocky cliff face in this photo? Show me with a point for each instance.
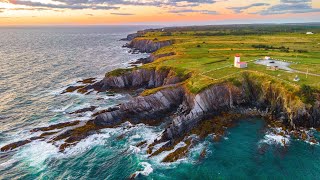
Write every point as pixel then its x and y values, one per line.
pixel 150 109
pixel 186 111
pixel 171 101
pixel 190 109
pixel 140 78
pixel 152 58
pixel 270 99
pixel 147 45
pixel 130 37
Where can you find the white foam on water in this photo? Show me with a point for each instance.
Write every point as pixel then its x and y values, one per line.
pixel 161 156
pixel 57 91
pixel 87 144
pixel 147 169
pixel 36 153
pixel 79 107
pixel 63 109
pixel 144 132
pixel 158 146
pixel 116 96
pixel 134 149
pixel 135 137
pixel 7 163
pixel 272 138
pixel 197 150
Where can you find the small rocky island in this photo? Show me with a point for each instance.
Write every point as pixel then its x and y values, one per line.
pixel 189 100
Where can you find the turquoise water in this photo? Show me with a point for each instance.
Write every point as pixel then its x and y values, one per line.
pixel 38 63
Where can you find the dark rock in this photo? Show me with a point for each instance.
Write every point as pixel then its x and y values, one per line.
pixel 130 37
pixel 91 108
pixel 15 145
pixel 147 46
pixel 144 109
pixel 140 78
pixel 152 58
pixel 141 143
pixel 56 126
pixel 106 111
pixel 72 89
pixel 88 81
pixel 18 144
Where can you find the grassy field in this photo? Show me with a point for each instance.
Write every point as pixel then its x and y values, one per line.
pixel 209 55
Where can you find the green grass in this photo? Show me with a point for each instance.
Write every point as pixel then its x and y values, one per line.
pixel 204 56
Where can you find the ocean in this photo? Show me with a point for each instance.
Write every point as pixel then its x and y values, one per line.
pixel 38 63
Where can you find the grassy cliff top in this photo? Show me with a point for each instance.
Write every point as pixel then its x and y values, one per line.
pixel 209 55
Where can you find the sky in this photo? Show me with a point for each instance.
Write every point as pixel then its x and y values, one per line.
pixel 156 12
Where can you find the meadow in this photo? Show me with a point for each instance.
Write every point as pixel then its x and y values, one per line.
pixel 209 55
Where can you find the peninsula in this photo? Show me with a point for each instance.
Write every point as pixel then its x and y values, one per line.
pixel 191 83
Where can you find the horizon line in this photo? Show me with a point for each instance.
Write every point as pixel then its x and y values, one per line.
pixel 161 24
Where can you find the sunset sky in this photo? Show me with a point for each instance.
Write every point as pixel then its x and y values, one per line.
pixel 21 12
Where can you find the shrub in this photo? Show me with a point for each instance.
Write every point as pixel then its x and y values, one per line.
pixel 307 94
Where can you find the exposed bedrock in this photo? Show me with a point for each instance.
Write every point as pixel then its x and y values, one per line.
pixel 152 58
pixel 147 45
pixel 147 109
pixel 204 105
pixel 186 110
pixel 137 78
pixel 130 37
pixel 270 99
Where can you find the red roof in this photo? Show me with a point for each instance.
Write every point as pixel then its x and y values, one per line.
pixel 242 63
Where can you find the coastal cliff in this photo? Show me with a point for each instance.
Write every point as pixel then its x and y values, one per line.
pixel 137 78
pixel 167 99
pixel 147 45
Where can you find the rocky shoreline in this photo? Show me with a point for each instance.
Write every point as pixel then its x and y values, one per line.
pixel 206 113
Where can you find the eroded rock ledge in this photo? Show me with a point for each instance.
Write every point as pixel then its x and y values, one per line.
pixel 147 45
pixel 186 111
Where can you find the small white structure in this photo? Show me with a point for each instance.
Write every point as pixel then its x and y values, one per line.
pixel 309 33
pixel 238 63
pixel 296 79
pixel 267 58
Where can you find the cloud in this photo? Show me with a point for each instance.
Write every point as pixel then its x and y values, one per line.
pixel 61 6
pixel 137 2
pixel 192 11
pixel 107 4
pixel 122 14
pixel 290 6
pixel 295 1
pixel 242 8
pixel 26 9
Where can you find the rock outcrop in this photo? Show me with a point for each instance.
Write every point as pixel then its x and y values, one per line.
pixel 147 45
pixel 151 109
pixel 130 37
pixel 152 58
pixel 137 78
pixel 171 101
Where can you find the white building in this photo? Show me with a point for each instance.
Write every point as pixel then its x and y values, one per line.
pixel 238 63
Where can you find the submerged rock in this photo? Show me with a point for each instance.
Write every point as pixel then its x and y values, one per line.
pixel 91 108
pixel 72 89
pixel 87 81
pixel 56 126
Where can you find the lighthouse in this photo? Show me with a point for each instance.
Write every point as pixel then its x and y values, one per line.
pixel 236 60
pixel 238 63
